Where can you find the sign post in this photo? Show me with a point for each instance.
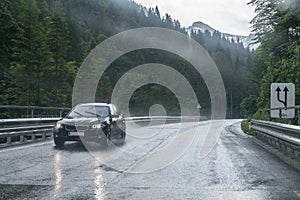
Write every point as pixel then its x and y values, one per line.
pixel 282 95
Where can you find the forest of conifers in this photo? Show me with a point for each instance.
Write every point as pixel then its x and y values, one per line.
pixel 44 42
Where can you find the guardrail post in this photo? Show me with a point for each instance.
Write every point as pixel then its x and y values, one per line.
pixel 44 135
pixel 296 153
pixel 289 149
pixel 32 113
pixel 282 147
pixel 21 138
pixel 8 140
pixel 280 115
pixel 298 116
pixel 277 144
pixel 33 136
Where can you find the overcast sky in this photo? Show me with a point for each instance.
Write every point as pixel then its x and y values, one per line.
pixel 228 16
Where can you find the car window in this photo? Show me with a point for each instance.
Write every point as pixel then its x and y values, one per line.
pixel 89 111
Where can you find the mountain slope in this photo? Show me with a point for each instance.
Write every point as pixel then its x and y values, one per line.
pixel 245 40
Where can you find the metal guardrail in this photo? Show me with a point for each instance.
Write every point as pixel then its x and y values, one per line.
pixel 169 118
pixel 282 136
pixel 21 121
pixel 297 108
pixel 20 130
pixel 29 128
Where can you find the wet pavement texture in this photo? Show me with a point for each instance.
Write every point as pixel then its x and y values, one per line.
pixel 236 168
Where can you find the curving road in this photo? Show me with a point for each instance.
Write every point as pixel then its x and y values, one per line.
pixel 236 168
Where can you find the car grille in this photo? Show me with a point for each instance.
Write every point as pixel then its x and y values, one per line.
pixel 76 128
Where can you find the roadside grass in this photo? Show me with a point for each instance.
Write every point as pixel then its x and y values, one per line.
pixel 246 129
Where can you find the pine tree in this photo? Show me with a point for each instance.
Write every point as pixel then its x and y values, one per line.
pixel 8 26
pixel 30 53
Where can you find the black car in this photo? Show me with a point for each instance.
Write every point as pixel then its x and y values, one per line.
pixel 98 122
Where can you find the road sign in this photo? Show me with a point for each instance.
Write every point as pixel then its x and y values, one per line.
pixel 282 95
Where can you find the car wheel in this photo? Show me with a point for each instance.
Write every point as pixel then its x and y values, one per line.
pixel 108 137
pixel 59 142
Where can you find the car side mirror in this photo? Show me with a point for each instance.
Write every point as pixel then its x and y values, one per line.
pixel 108 120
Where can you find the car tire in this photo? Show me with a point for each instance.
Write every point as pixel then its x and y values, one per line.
pixel 108 136
pixel 59 142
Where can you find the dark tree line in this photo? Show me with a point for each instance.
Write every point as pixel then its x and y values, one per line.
pixel 43 43
pixel 277 28
pixel 233 61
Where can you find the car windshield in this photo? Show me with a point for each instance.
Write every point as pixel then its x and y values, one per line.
pixel 89 111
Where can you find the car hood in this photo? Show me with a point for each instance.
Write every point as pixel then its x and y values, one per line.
pixel 81 120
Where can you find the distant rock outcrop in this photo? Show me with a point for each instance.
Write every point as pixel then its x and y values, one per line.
pixel 247 41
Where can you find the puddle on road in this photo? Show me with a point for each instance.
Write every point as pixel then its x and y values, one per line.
pixel 15 191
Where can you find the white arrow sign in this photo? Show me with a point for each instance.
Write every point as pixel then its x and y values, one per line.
pixel 283 95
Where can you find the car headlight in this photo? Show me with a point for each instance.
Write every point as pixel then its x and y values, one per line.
pixel 57 127
pixel 97 126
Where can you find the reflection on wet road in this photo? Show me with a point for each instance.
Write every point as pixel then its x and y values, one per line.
pixel 236 168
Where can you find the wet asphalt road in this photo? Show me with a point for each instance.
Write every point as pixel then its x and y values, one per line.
pixel 236 168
